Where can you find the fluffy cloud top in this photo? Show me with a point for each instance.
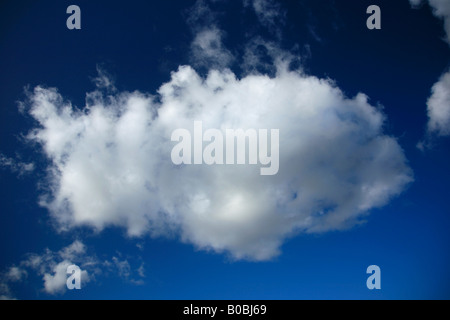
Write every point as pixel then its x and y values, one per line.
pixel 110 165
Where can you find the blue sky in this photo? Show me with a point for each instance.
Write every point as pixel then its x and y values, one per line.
pixel 85 167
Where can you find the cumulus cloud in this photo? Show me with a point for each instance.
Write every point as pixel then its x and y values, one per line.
pixel 110 160
pixel 110 165
pixel 438 104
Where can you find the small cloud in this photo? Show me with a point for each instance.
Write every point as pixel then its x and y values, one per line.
pixel 50 265
pixel 438 104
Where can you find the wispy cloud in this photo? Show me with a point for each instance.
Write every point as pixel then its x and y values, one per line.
pixel 270 14
pixel 103 80
pixel 15 166
pixel 263 57
pixel 207 48
pixel 123 269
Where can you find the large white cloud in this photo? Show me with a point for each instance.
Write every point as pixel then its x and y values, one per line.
pixel 110 165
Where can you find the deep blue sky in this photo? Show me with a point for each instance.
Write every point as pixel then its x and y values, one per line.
pixel 139 43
